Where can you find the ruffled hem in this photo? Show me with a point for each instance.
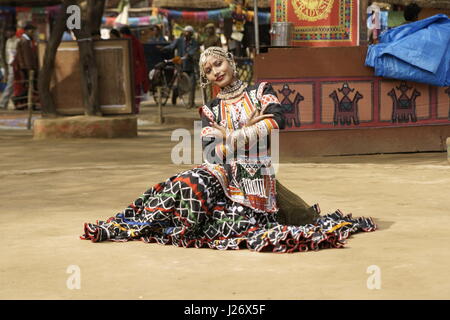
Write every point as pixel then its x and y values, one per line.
pixel 328 231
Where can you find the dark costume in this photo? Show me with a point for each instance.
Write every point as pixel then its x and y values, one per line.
pixel 229 205
pixel 26 60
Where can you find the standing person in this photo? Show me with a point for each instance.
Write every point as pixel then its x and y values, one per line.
pixel 156 35
pixel 10 54
pixel 187 47
pixel 228 201
pixel 141 81
pixel 26 60
pixel 210 38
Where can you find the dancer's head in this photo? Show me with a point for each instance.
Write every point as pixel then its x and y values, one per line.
pixel 217 66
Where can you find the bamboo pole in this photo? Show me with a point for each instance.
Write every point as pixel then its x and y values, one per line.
pixel 256 23
pixel 159 105
pixel 30 97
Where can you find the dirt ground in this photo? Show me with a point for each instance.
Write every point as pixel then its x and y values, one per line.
pixel 49 189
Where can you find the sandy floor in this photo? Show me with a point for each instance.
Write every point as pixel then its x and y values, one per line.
pixel 49 189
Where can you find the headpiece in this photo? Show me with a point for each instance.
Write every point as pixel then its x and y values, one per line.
pixel 218 53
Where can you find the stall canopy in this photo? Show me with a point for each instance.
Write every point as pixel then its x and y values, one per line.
pixel 115 3
pixel 203 4
pixel 29 3
pixel 438 4
pixel 201 10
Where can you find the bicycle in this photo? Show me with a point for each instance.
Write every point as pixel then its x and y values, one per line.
pixel 169 76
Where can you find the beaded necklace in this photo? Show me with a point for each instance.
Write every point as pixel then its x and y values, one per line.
pixel 232 91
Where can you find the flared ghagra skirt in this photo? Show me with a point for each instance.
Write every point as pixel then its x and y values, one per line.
pixel 191 209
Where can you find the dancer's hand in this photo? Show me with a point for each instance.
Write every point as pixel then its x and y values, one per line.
pixel 257 116
pixel 222 130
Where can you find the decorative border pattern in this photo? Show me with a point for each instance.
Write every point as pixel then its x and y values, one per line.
pixel 375 101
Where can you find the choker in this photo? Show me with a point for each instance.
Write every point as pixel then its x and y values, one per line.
pixel 232 91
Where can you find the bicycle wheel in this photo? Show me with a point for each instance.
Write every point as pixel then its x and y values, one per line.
pixel 165 90
pixel 184 84
pixel 165 93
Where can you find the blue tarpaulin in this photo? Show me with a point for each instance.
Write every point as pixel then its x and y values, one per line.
pixel 418 51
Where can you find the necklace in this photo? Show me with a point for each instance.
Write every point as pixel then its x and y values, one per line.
pixel 232 91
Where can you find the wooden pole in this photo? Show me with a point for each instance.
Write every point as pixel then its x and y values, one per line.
pixel 30 97
pixel 256 22
pixel 159 105
pixel 2 45
pixel 204 98
pixel 363 22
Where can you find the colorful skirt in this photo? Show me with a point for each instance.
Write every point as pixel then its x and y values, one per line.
pixel 191 209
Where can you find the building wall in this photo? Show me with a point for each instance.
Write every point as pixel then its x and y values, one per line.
pixel 428 12
pixel 334 105
pixel 295 144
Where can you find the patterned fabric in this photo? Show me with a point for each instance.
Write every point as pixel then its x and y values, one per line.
pixel 247 179
pixel 324 23
pixel 190 209
pixel 228 205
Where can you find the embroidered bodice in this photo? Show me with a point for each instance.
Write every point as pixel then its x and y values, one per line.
pixel 244 170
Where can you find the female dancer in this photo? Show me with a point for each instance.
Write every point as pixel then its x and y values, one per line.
pixel 230 200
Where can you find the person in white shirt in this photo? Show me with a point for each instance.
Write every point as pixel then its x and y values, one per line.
pixel 10 54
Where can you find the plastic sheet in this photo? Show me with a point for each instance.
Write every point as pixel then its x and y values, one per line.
pixel 419 51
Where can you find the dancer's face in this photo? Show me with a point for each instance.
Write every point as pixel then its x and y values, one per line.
pixel 218 71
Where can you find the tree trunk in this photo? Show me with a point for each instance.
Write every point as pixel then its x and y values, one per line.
pixel 95 14
pixel 89 71
pixel 47 104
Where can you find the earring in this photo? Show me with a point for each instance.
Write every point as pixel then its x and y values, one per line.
pixel 204 82
pixel 235 71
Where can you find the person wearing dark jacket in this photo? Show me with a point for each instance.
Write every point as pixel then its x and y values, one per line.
pixel 27 58
pixel 26 61
pixel 187 47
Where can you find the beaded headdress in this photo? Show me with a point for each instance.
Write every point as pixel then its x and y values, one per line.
pixel 216 52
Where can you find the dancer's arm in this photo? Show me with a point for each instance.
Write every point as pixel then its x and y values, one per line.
pixel 270 105
pixel 213 146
